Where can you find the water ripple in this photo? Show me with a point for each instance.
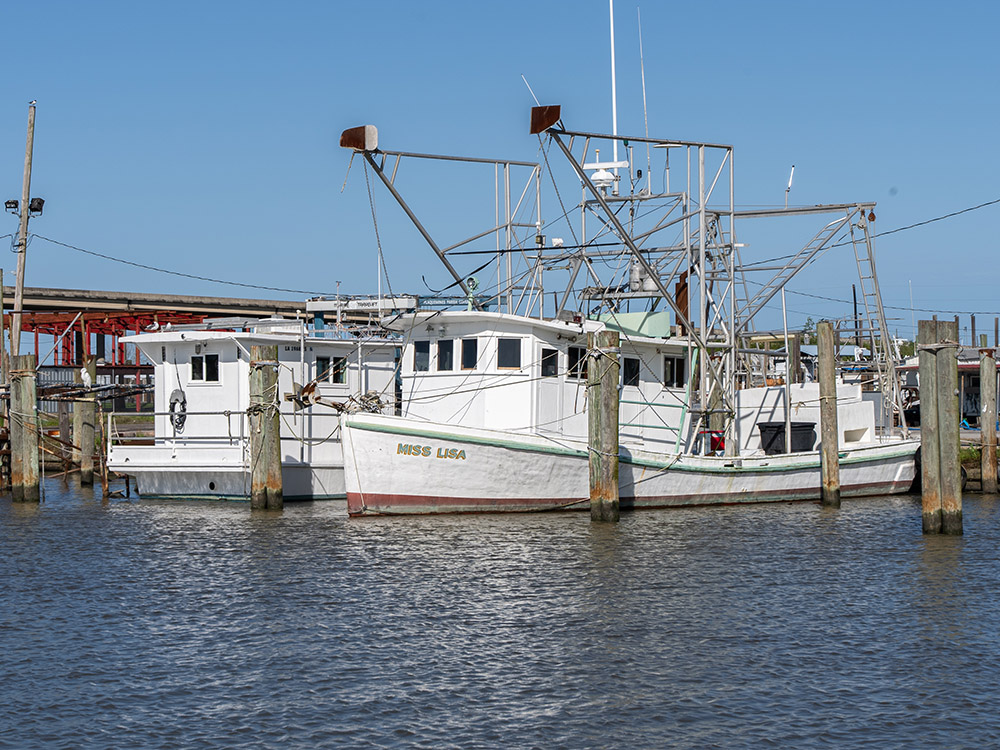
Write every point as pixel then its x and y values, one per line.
pixel 156 625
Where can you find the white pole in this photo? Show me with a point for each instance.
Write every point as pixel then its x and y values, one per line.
pixel 645 116
pixel 614 90
pixel 788 373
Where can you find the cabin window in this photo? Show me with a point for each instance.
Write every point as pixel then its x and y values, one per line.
pixel 673 372
pixel 470 353
pixel 421 356
pixel 322 368
pixel 338 370
pixel 509 354
pixel 577 362
pixel 446 354
pixel 630 371
pixel 550 363
pixel 205 368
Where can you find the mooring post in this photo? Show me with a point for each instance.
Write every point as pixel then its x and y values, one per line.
pixel 102 462
pixel 829 431
pixel 16 428
pixel 948 428
pixel 602 423
pixel 77 415
pixel 795 359
pixel 930 447
pixel 87 407
pixel 988 418
pixel 265 430
pixel 62 409
pixel 24 424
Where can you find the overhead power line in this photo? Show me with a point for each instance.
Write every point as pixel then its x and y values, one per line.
pixel 178 273
pixel 888 232
pixel 750 265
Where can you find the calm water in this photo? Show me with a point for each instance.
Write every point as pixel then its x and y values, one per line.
pixel 137 624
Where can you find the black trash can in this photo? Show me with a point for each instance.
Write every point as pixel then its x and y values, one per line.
pixel 772 437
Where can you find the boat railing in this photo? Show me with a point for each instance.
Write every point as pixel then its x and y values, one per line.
pixel 129 428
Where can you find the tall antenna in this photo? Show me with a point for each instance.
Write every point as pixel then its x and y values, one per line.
pixel 614 91
pixel 537 103
pixel 645 118
pixel 789 188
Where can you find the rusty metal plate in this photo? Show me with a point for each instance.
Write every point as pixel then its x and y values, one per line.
pixel 362 138
pixel 543 118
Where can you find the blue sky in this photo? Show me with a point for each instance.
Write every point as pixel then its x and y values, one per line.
pixel 203 137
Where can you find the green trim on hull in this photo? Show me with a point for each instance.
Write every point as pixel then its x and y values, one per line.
pixel 809 462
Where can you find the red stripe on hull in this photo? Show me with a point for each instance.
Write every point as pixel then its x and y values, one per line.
pixel 391 504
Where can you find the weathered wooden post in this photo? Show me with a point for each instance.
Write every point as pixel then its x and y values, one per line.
pixel 988 418
pixel 265 430
pixel 948 429
pixel 77 420
pixel 102 459
pixel 65 435
pixel 16 427
pixel 795 359
pixel 829 431
pixel 87 408
pixel 930 450
pixel 602 423
pixel 24 430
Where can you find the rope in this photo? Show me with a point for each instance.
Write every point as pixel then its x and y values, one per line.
pixel 938 346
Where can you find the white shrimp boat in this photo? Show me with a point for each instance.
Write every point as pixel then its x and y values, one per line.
pixel 200 446
pixel 493 412
pixel 509 432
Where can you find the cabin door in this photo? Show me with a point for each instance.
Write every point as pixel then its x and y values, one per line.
pixel 548 393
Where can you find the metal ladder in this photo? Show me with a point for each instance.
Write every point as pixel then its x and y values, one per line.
pixel 883 347
pixel 802 258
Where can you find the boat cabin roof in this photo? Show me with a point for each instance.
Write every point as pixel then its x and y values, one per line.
pixel 499 323
pixel 247 338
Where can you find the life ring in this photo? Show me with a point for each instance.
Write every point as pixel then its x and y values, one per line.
pixel 178 409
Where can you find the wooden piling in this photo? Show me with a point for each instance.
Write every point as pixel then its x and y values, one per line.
pixel 948 429
pixel 24 430
pixel 829 431
pixel 930 450
pixel 87 408
pixel 16 428
pixel 265 430
pixel 988 418
pixel 65 434
pixel 602 423
pixel 77 417
pixel 795 359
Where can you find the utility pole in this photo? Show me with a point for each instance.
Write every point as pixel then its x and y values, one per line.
pixel 22 236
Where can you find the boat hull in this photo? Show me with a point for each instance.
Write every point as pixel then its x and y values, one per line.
pixel 219 474
pixel 395 465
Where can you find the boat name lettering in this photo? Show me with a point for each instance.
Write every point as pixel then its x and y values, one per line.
pixel 425 451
